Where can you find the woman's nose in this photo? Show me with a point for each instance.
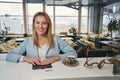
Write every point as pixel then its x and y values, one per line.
pixel 40 25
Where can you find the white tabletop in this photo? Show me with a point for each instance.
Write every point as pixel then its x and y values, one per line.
pixel 19 39
pixel 23 71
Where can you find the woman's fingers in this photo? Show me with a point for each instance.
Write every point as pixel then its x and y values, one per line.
pixel 32 60
pixel 36 61
pixel 47 61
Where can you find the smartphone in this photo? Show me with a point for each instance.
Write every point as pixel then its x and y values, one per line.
pixel 34 67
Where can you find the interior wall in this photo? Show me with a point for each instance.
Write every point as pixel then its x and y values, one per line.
pixel 96 18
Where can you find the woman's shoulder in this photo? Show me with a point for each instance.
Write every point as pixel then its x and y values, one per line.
pixel 27 39
pixel 56 36
pixel 57 39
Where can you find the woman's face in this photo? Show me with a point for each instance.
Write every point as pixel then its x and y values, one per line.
pixel 41 25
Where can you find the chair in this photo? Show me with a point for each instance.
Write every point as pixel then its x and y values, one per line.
pixel 92 52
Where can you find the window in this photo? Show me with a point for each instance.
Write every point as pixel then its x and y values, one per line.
pixel 32 8
pixel 65 19
pixel 84 19
pixel 49 11
pixel 11 17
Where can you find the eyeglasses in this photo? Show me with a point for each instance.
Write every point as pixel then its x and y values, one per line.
pixel 101 63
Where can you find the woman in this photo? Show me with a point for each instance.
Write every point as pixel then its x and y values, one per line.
pixel 43 48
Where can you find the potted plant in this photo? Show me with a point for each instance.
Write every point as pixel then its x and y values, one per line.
pixel 119 26
pixel 72 30
pixel 113 26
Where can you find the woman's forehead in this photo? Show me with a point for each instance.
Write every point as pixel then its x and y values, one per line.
pixel 40 18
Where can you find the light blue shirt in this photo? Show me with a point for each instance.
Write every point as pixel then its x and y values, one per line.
pixel 31 50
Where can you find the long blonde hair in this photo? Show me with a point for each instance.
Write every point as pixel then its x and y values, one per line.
pixel 49 31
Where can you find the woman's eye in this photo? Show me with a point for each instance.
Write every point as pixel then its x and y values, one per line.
pixel 44 23
pixel 37 22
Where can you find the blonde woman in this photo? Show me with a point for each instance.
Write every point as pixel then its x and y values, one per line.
pixel 42 48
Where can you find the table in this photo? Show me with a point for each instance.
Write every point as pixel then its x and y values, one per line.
pixel 23 71
pixel 19 39
pixel 111 43
pixel 72 37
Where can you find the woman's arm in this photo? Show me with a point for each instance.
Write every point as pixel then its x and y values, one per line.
pixel 32 60
pixel 15 54
pixel 65 48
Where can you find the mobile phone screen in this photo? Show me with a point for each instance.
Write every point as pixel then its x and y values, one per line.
pixel 34 67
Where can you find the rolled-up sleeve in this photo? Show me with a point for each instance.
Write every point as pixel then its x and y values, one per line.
pixel 15 54
pixel 66 49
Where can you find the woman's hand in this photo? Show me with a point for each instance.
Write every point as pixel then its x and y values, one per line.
pixel 32 60
pixel 50 60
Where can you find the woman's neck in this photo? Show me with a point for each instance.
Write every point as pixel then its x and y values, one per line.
pixel 40 37
pixel 42 40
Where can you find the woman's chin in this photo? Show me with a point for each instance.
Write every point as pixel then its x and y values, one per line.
pixel 41 33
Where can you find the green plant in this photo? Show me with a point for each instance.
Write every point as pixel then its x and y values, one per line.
pixel 72 30
pixel 119 26
pixel 113 26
